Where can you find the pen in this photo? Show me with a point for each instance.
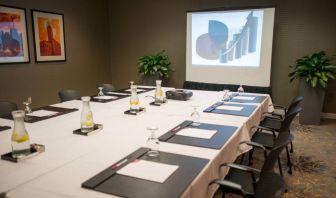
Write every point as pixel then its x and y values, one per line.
pixel 119 164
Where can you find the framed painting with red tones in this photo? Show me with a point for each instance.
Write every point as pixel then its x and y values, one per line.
pixel 49 40
pixel 13 35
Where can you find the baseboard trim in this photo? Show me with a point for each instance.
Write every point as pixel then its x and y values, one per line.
pixel 329 115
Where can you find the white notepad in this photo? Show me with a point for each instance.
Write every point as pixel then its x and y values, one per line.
pixel 230 108
pixel 105 97
pixel 118 93
pixel 244 98
pixel 42 113
pixel 152 171
pixel 197 133
pixel 138 90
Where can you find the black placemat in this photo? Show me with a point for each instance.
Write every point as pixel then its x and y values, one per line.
pixel 215 142
pixel 108 181
pixel 93 99
pixel 32 119
pixel 3 128
pixel 144 89
pixel 257 99
pixel 246 111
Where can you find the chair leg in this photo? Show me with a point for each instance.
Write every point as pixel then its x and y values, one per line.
pixel 291 150
pixel 242 158
pixel 280 167
pixel 289 163
pixel 250 157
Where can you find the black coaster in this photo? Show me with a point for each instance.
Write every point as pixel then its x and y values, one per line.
pixel 96 128
pixel 158 104
pixel 2 128
pixel 35 149
pixel 135 112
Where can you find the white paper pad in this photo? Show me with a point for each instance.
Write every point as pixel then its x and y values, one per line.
pixel 244 98
pixel 198 133
pixel 138 90
pixel 118 93
pixel 231 108
pixel 152 171
pixel 42 113
pixel 105 97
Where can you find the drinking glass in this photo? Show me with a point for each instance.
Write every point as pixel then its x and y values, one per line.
pixel 153 142
pixel 226 96
pixel 195 116
pixel 100 92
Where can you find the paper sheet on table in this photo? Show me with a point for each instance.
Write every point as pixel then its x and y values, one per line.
pixel 118 93
pixel 230 108
pixel 197 133
pixel 105 97
pixel 244 98
pixel 152 171
pixel 138 90
pixel 42 113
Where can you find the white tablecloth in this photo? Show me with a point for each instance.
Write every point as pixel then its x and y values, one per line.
pixel 71 159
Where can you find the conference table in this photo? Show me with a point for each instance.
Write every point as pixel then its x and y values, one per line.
pixel 71 159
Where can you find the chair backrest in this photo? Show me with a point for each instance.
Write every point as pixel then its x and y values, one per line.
pixel 7 107
pixel 106 87
pixel 289 117
pixel 295 103
pixel 282 140
pixel 69 94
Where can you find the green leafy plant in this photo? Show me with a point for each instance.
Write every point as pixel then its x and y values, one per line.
pixel 151 65
pixel 316 69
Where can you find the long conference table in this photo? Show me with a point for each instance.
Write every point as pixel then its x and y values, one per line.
pixel 70 159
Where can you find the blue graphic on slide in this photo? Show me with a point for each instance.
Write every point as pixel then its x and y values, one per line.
pixel 232 38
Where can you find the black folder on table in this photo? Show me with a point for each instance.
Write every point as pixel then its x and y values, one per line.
pixel 2 128
pixel 246 111
pixel 118 97
pixel 144 89
pixel 217 141
pixel 110 182
pixel 32 119
pixel 257 99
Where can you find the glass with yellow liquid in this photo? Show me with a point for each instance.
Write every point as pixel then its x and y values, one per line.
pixel 134 100
pixel 158 92
pixel 87 124
pixel 20 137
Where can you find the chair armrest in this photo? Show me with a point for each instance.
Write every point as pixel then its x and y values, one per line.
pixel 229 185
pixel 262 128
pixel 240 167
pixel 279 107
pixel 273 115
pixel 253 144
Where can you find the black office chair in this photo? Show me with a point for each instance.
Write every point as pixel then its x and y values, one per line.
pixel 267 139
pixel 106 87
pixel 251 182
pixel 7 107
pixel 69 94
pixel 281 115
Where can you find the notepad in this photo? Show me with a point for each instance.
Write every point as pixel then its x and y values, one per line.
pixel 106 97
pixel 244 98
pixel 138 90
pixel 230 108
pixel 197 133
pixel 42 113
pixel 118 93
pixel 148 170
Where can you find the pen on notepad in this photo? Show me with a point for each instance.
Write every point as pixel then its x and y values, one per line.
pixel 119 164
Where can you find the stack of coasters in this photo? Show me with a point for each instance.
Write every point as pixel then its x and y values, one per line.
pixel 35 149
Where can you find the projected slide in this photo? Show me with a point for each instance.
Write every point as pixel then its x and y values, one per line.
pixel 227 38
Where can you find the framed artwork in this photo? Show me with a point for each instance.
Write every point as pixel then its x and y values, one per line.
pixel 13 35
pixel 49 42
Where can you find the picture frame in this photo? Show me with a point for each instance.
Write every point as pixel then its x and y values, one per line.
pixel 14 47
pixel 49 36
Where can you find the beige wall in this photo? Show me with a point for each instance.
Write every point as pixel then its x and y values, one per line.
pixel 148 26
pixel 87 51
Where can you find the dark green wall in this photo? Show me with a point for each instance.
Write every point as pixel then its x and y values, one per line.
pixel 87 52
pixel 147 26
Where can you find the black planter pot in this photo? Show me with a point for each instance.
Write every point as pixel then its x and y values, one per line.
pixel 312 103
pixel 150 80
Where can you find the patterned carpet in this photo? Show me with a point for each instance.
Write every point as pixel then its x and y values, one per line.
pixel 314 161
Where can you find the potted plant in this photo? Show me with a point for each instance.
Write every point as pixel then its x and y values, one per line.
pixel 314 72
pixel 154 67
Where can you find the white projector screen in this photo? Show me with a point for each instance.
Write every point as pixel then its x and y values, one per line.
pixel 230 46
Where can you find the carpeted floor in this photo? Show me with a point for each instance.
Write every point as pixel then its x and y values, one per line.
pixel 314 161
